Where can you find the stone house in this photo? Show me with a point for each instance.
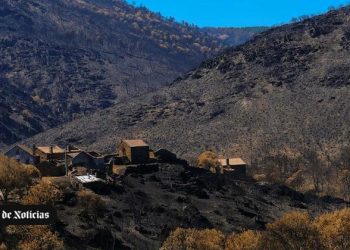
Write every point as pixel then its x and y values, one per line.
pixel 23 154
pixel 84 159
pixel 137 151
pixel 233 165
pixel 47 153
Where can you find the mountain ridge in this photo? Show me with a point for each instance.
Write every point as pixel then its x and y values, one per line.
pixel 260 93
pixel 73 57
pixel 70 58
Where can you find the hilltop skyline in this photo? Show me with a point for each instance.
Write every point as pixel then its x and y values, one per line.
pixel 228 13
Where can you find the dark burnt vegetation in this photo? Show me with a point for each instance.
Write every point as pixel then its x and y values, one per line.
pixel 151 204
pixel 282 94
pixel 63 59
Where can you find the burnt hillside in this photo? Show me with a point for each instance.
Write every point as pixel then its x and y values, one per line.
pixel 146 205
pixel 61 59
pixel 288 88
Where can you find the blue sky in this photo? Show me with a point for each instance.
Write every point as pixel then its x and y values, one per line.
pixel 238 13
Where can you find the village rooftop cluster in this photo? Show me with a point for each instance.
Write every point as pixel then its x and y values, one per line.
pixel 70 160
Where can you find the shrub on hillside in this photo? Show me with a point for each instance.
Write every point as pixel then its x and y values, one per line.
pixel 248 240
pixel 42 193
pixel 260 177
pixel 335 229
pixel 209 160
pixel 15 177
pixel 209 239
pixel 33 237
pixel 91 203
pixel 294 231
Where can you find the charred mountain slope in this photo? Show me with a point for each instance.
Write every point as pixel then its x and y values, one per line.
pixel 60 59
pixel 147 205
pixel 287 88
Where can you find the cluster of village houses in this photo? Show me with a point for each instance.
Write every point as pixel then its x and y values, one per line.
pixel 129 153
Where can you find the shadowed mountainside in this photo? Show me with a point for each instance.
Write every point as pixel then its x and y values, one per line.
pixel 287 88
pixel 61 59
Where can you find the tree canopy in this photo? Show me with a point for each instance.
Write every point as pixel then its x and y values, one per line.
pixel 15 177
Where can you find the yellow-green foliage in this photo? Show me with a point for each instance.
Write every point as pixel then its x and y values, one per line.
pixel 208 160
pixel 294 231
pixel 248 240
pixel 335 229
pixel 34 237
pixel 42 193
pixel 14 176
pixel 209 239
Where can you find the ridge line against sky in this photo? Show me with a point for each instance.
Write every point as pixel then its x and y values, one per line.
pixel 238 13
